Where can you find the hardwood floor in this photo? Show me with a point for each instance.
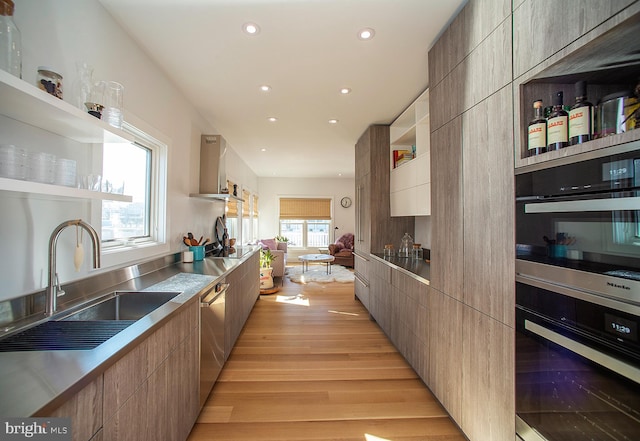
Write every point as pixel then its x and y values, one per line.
pixel 310 365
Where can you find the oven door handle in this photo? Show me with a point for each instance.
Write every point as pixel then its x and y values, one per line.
pixel 612 204
pixel 613 364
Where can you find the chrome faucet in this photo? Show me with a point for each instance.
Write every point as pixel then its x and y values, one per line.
pixel 53 289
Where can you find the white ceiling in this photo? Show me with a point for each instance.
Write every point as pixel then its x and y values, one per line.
pixel 306 51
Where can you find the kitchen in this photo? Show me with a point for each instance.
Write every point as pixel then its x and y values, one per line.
pixel 490 47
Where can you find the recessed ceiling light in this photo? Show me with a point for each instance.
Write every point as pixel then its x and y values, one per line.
pixel 333 121
pixel 345 90
pixel 366 34
pixel 265 88
pixel 263 149
pixel 251 28
pixel 272 119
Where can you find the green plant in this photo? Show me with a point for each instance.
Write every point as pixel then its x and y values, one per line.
pixel 266 257
pixel 282 239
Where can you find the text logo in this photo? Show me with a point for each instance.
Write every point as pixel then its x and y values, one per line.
pixel 41 429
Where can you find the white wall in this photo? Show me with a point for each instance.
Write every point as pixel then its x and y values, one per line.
pixel 423 231
pixel 59 34
pixel 271 189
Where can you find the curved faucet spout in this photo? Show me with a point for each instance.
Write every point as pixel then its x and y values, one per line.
pixel 52 287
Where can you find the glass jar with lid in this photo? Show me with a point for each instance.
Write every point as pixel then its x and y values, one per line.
pixel 416 252
pixel 388 250
pixel 406 245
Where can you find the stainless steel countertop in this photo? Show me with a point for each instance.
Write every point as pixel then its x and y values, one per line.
pixel 418 269
pixel 34 383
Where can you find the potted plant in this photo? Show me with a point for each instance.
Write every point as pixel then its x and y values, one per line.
pixel 266 271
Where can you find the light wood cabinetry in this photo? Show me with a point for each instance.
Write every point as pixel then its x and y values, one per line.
pixel 488 377
pixel 85 411
pixel 243 291
pixel 564 23
pixel 152 392
pixel 447 247
pixel 410 189
pixel 488 215
pixel 361 265
pixel 374 225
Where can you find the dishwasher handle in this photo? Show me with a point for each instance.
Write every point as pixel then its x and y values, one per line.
pixel 207 303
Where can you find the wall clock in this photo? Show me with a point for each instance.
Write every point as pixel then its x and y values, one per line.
pixel 345 202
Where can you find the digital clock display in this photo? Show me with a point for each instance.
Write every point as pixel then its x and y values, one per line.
pixel 612 171
pixel 623 328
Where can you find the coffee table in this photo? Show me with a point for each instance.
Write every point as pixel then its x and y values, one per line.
pixel 319 258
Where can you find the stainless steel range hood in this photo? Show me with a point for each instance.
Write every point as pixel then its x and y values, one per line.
pixel 213 168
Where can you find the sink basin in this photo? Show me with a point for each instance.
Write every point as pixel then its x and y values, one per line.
pixel 90 326
pixel 122 306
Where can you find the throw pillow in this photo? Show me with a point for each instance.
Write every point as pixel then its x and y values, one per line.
pixel 270 243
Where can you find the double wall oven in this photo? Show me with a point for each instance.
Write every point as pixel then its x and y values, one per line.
pixel 578 298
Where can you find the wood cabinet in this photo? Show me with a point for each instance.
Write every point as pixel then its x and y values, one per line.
pixel 562 23
pixel 85 411
pixel 152 392
pixel 410 189
pixel 374 225
pixel 361 265
pixel 243 291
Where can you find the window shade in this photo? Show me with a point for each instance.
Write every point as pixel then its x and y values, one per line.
pixel 245 205
pixel 255 205
pixel 305 208
pixel 232 204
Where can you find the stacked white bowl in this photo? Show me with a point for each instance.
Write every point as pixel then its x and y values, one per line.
pixel 65 172
pixel 41 167
pixel 13 162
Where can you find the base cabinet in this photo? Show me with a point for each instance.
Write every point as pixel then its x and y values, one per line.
pixel 242 294
pixel 85 411
pixel 152 392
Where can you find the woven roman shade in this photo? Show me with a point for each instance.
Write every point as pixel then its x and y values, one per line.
pixel 245 205
pixel 255 205
pixel 305 208
pixel 232 204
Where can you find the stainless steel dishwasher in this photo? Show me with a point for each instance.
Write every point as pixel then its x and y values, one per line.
pixel 212 305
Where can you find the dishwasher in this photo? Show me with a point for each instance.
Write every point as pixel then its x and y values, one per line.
pixel 212 305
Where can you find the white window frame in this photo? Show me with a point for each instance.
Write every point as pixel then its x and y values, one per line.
pixel 115 253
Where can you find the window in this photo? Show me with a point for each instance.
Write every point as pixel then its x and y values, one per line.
pixel 254 232
pixel 306 222
pixel 232 215
pixel 246 216
pixel 138 170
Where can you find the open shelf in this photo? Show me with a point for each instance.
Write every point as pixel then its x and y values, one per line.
pixel 219 197
pixel 26 103
pixel 609 63
pixel 29 187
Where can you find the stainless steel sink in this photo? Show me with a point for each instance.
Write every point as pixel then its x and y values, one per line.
pixel 122 306
pixel 89 326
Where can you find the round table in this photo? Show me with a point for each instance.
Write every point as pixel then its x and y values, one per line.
pixel 318 258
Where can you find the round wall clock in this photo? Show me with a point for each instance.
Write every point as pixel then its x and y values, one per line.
pixel 345 202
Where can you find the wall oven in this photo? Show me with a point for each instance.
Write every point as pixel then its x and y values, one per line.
pixel 578 299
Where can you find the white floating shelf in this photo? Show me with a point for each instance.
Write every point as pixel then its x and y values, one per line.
pixel 26 103
pixel 29 187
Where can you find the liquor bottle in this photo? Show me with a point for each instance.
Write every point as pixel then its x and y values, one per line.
pixel 557 126
pixel 225 243
pixel 537 138
pixel 581 117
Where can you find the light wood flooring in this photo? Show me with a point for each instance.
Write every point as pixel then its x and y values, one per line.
pixel 310 365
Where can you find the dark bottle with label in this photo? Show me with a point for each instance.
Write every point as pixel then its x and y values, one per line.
pixel 557 125
pixel 581 117
pixel 225 243
pixel 537 131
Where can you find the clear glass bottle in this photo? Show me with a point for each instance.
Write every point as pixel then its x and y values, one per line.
pixel 581 117
pixel 10 40
pixel 557 125
pixel 537 133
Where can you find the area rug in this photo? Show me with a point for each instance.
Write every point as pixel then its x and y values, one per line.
pixel 318 273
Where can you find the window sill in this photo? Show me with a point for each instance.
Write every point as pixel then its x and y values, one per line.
pixel 114 256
